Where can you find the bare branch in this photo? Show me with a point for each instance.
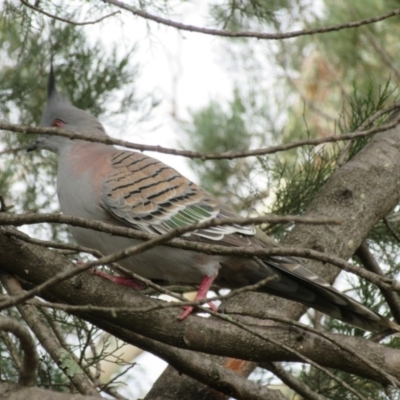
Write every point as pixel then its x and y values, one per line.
pixel 340 344
pixel 28 219
pixel 199 334
pixel 61 355
pixel 372 265
pixel 204 156
pixel 154 240
pixel 68 21
pixel 299 387
pixel 262 315
pixel 257 35
pixel 31 360
pixel 199 367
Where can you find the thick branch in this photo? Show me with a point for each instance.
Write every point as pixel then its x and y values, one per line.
pixel 170 239
pixel 199 334
pixel 15 392
pixel 195 365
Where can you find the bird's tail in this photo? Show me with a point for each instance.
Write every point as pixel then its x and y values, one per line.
pixel 297 283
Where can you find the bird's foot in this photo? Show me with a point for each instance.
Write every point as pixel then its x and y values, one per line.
pixel 121 280
pixel 189 310
pixel 200 295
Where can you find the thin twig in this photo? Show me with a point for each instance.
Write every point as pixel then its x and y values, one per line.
pixel 341 345
pixel 289 380
pixel 169 238
pixel 56 245
pixel 60 355
pixel 372 265
pixel 303 358
pixel 204 156
pixel 68 21
pixel 391 230
pixel 257 35
pixel 35 218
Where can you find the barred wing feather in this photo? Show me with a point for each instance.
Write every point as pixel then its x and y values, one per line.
pixel 146 194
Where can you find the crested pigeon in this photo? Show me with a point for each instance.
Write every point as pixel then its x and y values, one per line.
pixel 125 188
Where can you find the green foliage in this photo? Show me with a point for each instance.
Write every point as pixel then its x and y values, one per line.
pixel 362 105
pixel 86 73
pixel 238 15
pixel 212 130
pixel 325 386
pixel 299 181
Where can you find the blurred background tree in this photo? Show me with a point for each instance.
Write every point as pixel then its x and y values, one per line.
pixel 282 91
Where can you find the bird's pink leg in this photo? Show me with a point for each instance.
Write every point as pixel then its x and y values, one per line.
pixel 121 280
pixel 200 295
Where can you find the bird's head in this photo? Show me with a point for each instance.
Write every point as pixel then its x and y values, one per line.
pixel 59 112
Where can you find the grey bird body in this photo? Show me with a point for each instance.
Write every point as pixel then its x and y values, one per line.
pixel 80 197
pixel 125 188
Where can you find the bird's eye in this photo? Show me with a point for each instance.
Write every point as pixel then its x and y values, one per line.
pixel 58 123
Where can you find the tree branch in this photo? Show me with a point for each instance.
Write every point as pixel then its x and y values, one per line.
pixel 372 265
pixel 257 35
pixel 170 239
pixel 31 360
pixel 211 156
pixel 155 240
pixel 60 355
pixel 289 380
pixel 198 366
pixel 198 334
pixel 68 21
pixel 11 391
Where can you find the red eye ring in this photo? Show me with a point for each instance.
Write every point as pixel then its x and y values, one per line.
pixel 58 123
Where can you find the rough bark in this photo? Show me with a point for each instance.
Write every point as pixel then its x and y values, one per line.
pixel 11 391
pixel 208 335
